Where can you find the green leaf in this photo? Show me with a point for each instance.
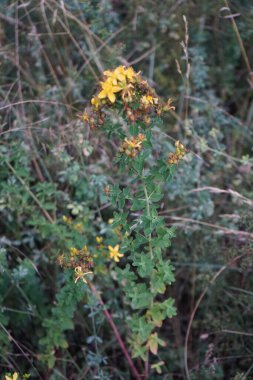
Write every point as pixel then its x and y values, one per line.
pixel 51 361
pixel 144 264
pixel 157 314
pixel 133 129
pixel 141 328
pixel 169 308
pixel 121 201
pixel 138 164
pixel 153 343
pixel 140 296
pixel 125 275
pixel 157 284
pixel 165 271
pixel 138 204
pixel 139 351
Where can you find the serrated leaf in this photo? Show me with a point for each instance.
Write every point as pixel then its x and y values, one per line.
pixel 140 296
pixel 157 314
pixel 138 204
pixel 153 343
pixel 144 264
pixel 169 308
pixel 165 271
pixel 157 284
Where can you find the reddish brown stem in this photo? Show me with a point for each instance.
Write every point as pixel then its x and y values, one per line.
pixel 147 367
pixel 116 332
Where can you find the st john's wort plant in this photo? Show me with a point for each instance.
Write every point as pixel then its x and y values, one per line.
pixel 126 108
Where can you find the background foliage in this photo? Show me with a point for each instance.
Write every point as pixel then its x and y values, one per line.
pixel 52 56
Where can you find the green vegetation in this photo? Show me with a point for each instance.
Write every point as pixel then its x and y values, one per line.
pixel 154 240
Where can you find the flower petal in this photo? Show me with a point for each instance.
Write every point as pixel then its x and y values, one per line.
pixel 111 97
pixel 102 94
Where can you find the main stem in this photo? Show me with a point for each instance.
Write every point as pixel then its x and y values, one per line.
pixel 148 213
pixel 151 255
pixel 116 332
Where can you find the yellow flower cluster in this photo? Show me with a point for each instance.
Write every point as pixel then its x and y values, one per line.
pixel 79 260
pixel 180 152
pixel 115 81
pixel 132 146
pixel 127 90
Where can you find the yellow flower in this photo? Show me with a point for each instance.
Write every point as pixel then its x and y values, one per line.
pixel 73 251
pixel 85 116
pixel 121 74
pixel 131 146
pixel 14 376
pixel 168 105
pixel 114 252
pixel 180 152
pixel 95 102
pixel 80 273
pixel 127 92
pixel 110 221
pixel 99 239
pixel 130 74
pixel 118 75
pixel 66 219
pixel 148 99
pixel 108 90
pixel 78 227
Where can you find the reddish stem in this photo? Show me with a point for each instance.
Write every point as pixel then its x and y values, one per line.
pixel 116 332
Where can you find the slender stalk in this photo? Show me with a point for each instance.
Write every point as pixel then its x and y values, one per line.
pixel 243 51
pixel 148 213
pixel 95 334
pixel 151 255
pixel 115 330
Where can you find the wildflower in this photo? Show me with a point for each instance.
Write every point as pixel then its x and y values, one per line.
pixel 117 75
pixel 110 221
pixel 114 252
pixel 95 102
pixel 131 146
pixel 60 260
pixel 121 75
pixel 78 227
pixel 180 152
pixel 80 273
pixel 84 116
pixel 131 74
pixel 99 239
pixel 168 106
pixel 14 376
pixel 135 142
pixel 66 219
pixel 127 92
pixel 109 90
pixel 147 100
pixel 84 249
pixel 73 251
